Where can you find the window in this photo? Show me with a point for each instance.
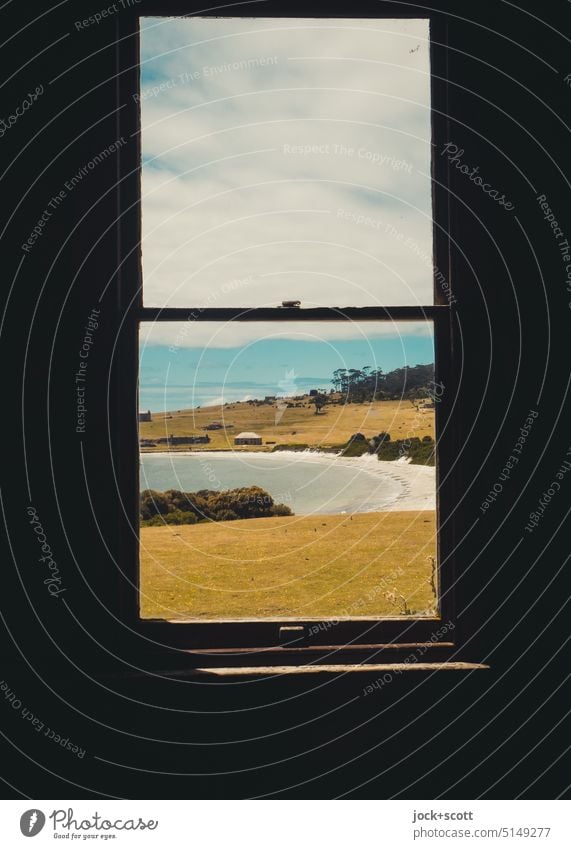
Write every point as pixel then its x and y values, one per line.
pixel 293 311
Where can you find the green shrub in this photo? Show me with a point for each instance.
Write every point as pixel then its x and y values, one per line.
pixel 389 450
pixel 355 449
pixel 154 503
pixel 176 517
pixel 187 508
pixel 420 452
pixel 226 516
pixel 424 454
pixel 355 446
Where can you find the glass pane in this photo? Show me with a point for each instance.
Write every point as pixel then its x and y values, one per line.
pixel 286 160
pixel 287 471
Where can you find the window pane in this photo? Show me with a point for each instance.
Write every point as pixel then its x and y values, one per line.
pixel 286 159
pixel 287 470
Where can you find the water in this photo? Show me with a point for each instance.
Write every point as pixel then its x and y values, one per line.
pixel 166 397
pixel 306 482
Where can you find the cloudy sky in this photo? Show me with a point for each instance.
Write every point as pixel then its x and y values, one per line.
pixel 279 361
pixel 267 143
pixel 286 159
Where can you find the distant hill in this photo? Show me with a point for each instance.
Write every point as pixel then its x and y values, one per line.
pixel 368 384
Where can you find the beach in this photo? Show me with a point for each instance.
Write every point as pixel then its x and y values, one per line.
pixel 310 482
pixel 418 482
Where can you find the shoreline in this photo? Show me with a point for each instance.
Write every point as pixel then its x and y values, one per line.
pixel 417 482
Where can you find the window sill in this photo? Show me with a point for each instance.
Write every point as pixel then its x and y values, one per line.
pixel 329 669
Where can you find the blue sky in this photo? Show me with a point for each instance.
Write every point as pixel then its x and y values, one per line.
pixel 179 377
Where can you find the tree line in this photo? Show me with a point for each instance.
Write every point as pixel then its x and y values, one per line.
pixel 369 384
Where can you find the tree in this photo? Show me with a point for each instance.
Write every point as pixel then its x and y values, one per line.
pixel 368 384
pixel 319 401
pixel 338 379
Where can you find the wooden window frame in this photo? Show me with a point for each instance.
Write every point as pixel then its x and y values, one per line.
pixel 226 642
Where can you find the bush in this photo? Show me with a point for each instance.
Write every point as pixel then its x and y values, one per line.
pixel 355 449
pixel 355 446
pixel 424 454
pixel 389 450
pixel 154 503
pixel 193 502
pixel 226 516
pixel 177 517
pixel 420 452
pixel 187 508
pixel 376 441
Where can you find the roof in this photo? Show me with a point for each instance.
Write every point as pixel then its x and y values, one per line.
pixel 248 435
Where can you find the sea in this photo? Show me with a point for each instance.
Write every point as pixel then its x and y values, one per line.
pixel 306 481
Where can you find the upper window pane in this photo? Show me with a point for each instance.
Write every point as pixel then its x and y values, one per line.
pixel 286 159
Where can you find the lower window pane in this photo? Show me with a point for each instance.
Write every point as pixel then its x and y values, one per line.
pixel 287 471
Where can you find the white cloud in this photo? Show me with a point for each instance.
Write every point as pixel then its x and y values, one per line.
pixel 214 335
pixel 226 194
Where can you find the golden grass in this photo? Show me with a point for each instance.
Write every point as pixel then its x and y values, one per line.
pixel 334 426
pixel 295 566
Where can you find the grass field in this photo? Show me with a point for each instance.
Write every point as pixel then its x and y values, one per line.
pixel 333 426
pixel 306 566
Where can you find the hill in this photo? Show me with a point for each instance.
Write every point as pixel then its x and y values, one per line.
pixel 290 421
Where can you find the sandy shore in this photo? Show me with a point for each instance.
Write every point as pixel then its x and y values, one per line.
pixel 418 484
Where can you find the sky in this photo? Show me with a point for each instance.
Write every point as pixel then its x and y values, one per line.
pixel 267 182
pixel 282 159
pixel 180 376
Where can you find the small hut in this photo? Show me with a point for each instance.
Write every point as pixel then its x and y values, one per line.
pixel 247 438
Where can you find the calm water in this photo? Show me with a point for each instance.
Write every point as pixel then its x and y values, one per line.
pixel 307 484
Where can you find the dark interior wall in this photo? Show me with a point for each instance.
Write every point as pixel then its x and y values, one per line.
pixel 68 659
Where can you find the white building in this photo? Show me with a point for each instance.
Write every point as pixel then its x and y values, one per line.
pixel 247 438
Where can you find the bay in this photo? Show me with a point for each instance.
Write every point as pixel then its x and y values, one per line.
pixel 307 482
